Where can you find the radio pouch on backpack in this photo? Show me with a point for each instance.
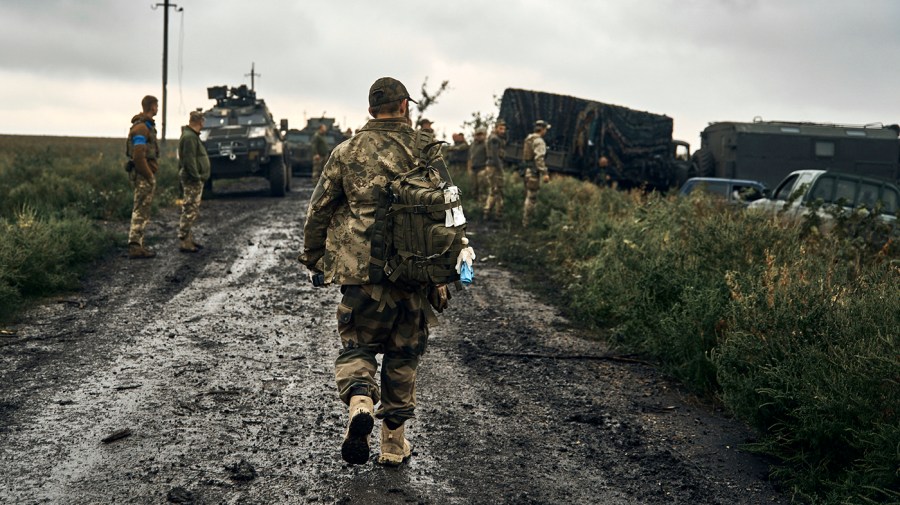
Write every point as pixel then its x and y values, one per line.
pixel 419 225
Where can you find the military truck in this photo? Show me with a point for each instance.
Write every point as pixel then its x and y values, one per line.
pixel 768 151
pixel 243 140
pixel 298 147
pixel 597 141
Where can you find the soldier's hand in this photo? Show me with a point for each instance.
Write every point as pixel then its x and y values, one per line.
pixel 439 297
pixel 546 177
pixel 317 279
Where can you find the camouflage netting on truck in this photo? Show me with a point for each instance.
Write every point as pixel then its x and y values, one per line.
pixel 637 144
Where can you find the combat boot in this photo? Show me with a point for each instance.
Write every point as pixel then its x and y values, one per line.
pixel 355 448
pixel 394 447
pixel 187 245
pixel 137 251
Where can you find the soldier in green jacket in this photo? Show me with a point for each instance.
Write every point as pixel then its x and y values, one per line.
pixel 193 164
pixel 372 318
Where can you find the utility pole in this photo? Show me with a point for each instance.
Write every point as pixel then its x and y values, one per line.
pixel 165 62
pixel 252 76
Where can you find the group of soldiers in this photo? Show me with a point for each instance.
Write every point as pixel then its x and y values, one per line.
pixel 484 161
pixel 142 149
pixel 375 315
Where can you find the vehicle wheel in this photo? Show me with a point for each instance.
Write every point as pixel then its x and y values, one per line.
pixel 277 177
pixel 289 174
pixel 703 164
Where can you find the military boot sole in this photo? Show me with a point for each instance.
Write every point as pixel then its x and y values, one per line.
pixel 355 449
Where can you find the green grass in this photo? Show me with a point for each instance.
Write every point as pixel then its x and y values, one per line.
pixel 55 194
pixel 795 331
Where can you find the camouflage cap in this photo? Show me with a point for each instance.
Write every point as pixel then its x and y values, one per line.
pixel 480 129
pixel 425 121
pixel 540 123
pixel 386 90
pixel 500 122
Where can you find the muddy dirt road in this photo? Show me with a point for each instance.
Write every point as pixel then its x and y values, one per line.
pixel 219 366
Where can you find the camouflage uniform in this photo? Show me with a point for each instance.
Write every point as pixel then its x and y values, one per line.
pixel 194 170
pixel 477 160
pixel 341 211
pixel 319 147
pixel 534 151
pixel 496 146
pixel 143 150
pixel 458 156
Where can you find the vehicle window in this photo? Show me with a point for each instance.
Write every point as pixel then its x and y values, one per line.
pixel 825 149
pixel 784 190
pixel 822 189
pixel 890 200
pixel 844 191
pixel 746 193
pixel 868 194
pixel 713 187
pixel 253 119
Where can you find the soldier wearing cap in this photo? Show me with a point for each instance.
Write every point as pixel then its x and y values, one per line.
pixel 458 154
pixel 496 147
pixel 533 154
pixel 477 162
pixel 337 243
pixel 193 168
pixel 142 150
pixel 425 125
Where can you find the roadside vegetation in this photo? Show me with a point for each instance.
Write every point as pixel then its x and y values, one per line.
pixel 56 193
pixel 795 331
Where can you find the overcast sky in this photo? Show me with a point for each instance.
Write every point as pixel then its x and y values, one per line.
pixel 80 67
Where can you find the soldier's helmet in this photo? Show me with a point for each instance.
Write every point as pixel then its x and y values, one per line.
pixel 386 90
pixel 481 129
pixel 540 123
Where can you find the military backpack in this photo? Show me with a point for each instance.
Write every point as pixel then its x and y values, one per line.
pixel 419 225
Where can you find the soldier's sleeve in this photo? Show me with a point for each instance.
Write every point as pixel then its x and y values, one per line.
pixel 326 198
pixel 139 139
pixel 540 152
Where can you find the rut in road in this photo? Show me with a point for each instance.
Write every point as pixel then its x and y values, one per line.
pixel 221 366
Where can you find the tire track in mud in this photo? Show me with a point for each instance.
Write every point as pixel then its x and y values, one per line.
pixel 228 356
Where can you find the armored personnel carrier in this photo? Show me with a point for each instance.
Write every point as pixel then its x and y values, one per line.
pixel 243 140
pixel 597 141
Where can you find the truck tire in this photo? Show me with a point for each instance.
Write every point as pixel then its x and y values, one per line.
pixel 703 163
pixel 277 177
pixel 289 175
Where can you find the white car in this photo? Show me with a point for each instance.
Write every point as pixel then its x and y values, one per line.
pixel 830 189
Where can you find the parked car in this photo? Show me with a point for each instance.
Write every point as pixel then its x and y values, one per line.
pixel 827 190
pixel 739 191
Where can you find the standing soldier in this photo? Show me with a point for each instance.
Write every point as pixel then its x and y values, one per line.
pixel 477 161
pixel 320 151
pixel 193 164
pixel 458 154
pixel 143 153
pixel 496 147
pixel 337 243
pixel 533 154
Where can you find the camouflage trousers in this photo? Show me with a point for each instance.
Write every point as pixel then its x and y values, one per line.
pixel 190 206
pixel 532 186
pixel 494 203
pixel 140 213
pixel 399 332
pixel 317 169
